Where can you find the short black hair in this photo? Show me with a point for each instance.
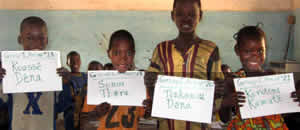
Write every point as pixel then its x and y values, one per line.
pixel 72 53
pixel 254 33
pixel 108 66
pixel 198 2
pixel 95 63
pixel 33 20
pixel 121 35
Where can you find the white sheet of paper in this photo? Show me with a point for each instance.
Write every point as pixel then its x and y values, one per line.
pixel 121 89
pixel 267 95
pixel 183 99
pixel 31 71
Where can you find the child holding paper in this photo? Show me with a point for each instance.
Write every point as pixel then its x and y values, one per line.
pixel 186 56
pixel 78 82
pixel 33 111
pixel 121 52
pixel 251 49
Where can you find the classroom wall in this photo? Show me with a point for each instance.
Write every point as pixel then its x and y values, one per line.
pixel 87 30
pixel 297 30
pixel 220 5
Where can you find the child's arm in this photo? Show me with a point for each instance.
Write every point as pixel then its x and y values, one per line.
pixel 148 108
pixel 65 74
pixel 230 100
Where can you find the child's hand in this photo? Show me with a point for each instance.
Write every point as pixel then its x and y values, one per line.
pixel 296 95
pixel 102 109
pixel 148 107
pixel 234 99
pixel 64 73
pixel 2 73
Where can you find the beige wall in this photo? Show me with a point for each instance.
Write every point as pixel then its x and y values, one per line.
pixel 296 4
pixel 230 5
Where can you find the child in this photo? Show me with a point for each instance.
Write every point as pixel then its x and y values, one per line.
pixel 79 82
pixel 121 52
pixel 186 56
pixel 251 48
pixel 33 111
pixel 95 65
pixel 108 66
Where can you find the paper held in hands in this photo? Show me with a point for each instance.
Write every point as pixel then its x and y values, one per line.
pixel 121 89
pixel 267 95
pixel 183 99
pixel 31 71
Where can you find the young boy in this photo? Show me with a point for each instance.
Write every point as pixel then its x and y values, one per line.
pixel 186 56
pixel 95 65
pixel 35 111
pixel 79 83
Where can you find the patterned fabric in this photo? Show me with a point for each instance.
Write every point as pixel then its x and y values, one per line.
pixel 118 118
pixel 202 61
pixel 79 84
pixel 273 122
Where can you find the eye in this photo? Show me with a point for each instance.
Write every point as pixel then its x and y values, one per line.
pixel 129 53
pixel 29 38
pixel 260 51
pixel 116 53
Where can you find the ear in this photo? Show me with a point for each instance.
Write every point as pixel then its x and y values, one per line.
pixel 20 40
pixel 236 49
pixel 172 16
pixel 109 54
pixel 68 61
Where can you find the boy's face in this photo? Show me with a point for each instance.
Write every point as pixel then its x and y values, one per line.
pixel 186 16
pixel 74 63
pixel 95 67
pixel 33 37
pixel 121 55
pixel 252 55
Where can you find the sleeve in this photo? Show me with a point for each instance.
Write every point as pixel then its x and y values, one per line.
pixel 214 70
pixel 215 73
pixel 156 65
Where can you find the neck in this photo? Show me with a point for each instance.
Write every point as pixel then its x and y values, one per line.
pixel 185 40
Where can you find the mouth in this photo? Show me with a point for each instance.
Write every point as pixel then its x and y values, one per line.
pixel 186 26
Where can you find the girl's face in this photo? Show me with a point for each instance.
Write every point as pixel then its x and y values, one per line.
pixel 186 16
pixel 252 54
pixel 121 55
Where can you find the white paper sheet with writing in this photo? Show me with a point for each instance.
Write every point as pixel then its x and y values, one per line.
pixel 267 95
pixel 183 99
pixel 122 89
pixel 31 71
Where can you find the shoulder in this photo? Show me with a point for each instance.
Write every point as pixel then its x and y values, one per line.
pixel 207 43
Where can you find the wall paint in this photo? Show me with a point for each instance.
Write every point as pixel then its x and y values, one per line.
pixel 83 31
pixel 214 5
pixel 296 4
pixel 297 35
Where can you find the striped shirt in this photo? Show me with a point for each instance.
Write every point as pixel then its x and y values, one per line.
pixel 201 61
